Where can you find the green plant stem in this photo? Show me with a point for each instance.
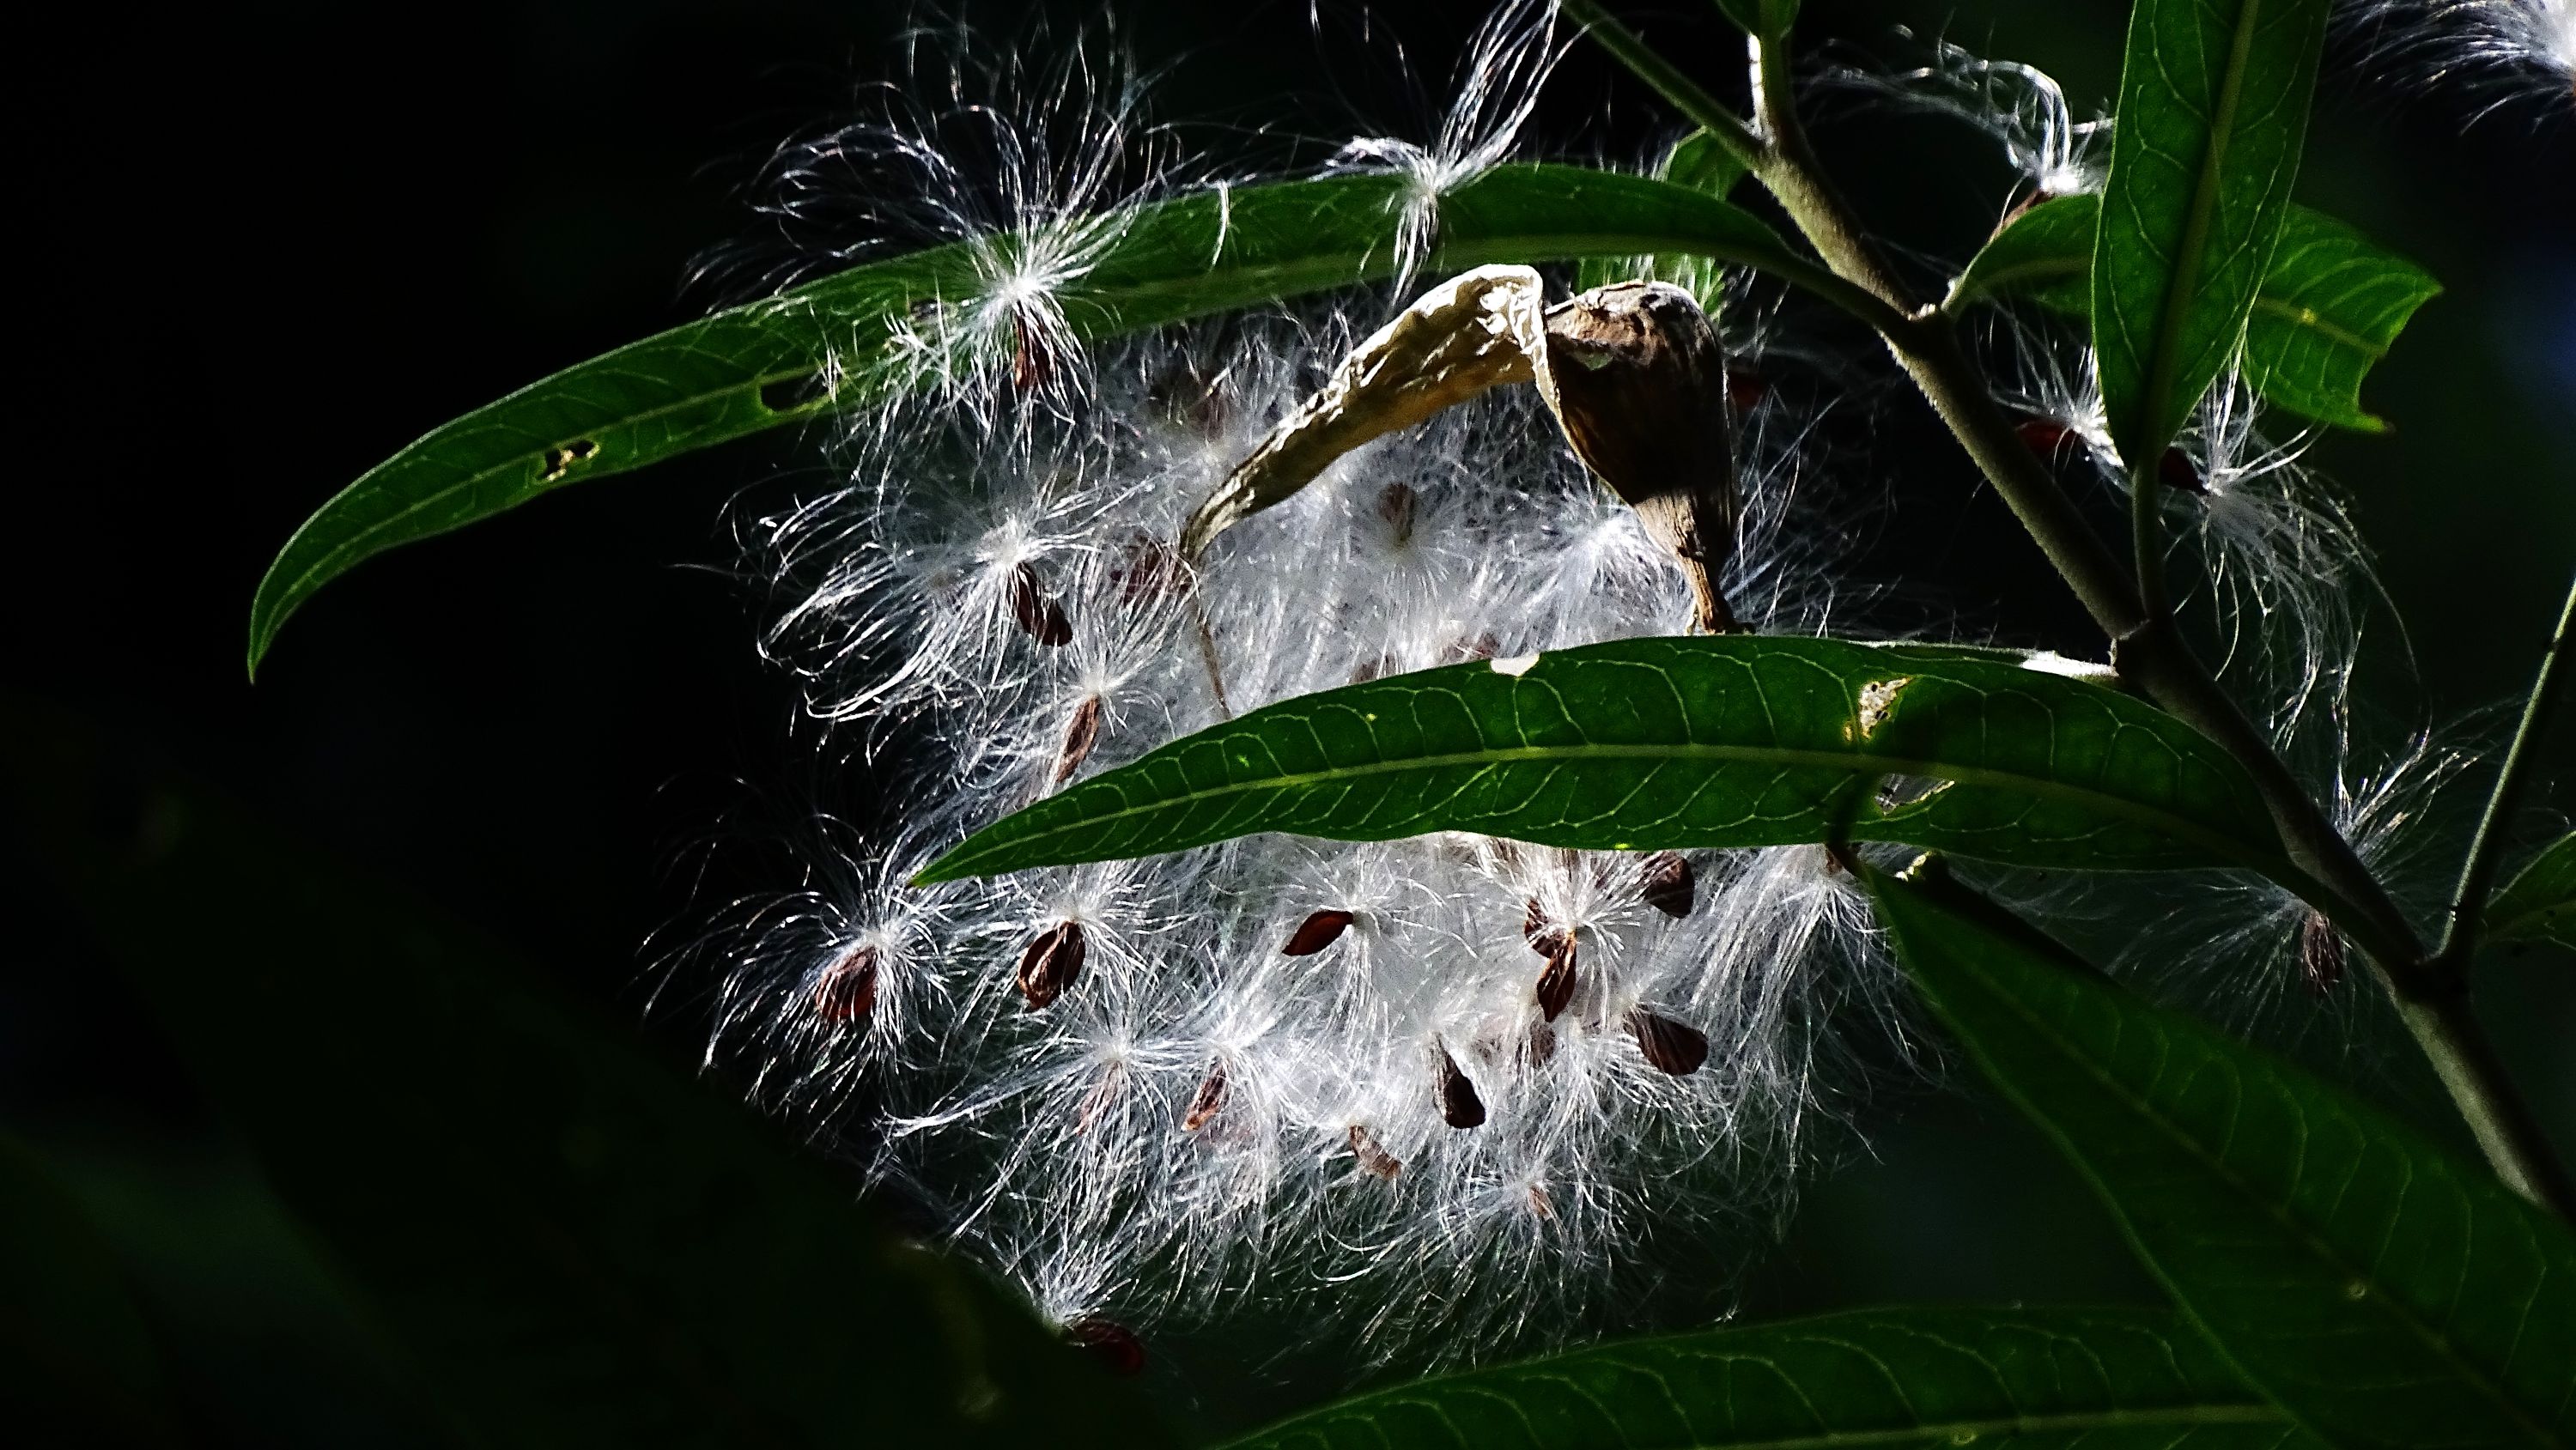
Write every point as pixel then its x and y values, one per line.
pixel 2146 646
pixel 2147 537
pixel 2486 849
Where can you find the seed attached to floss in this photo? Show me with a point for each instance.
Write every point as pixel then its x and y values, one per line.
pixel 1208 1101
pixel 1668 1046
pixel 1040 618
pixel 1146 569
pixel 2176 471
pixel 1668 884
pixel 1032 361
pixel 2320 954
pixel 1375 1159
pixel 1460 1107
pixel 1556 982
pixel 1541 933
pixel 1116 1345
pixel 1051 964
pixel 1397 504
pixel 2047 437
pixel 847 990
pixel 1080 734
pixel 1316 933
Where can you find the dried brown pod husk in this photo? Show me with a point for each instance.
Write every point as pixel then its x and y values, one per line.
pixel 1668 884
pixel 1637 378
pixel 1114 1343
pixel 1051 964
pixel 1373 1157
pixel 1208 1101
pixel 1556 980
pixel 2321 954
pixel 1317 932
pixel 1669 1046
pixel 1039 617
pixel 1460 1107
pixel 847 990
pixel 1080 734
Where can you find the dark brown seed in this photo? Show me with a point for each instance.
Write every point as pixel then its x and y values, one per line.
pixel 1032 361
pixel 1668 1046
pixel 1146 569
pixel 1483 647
pixel 1316 933
pixel 1397 504
pixel 1115 1344
pixel 1668 885
pixel 1080 734
pixel 2320 954
pixel 1541 1044
pixel 1556 982
pixel 1209 1101
pixel 1051 964
pixel 1040 618
pixel 847 990
pixel 2046 436
pixel 1745 388
pixel 2176 471
pixel 1540 1204
pixel 1372 1157
pixel 1459 1105
pixel 1538 931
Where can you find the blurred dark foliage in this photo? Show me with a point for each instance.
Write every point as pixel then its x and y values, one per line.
pixel 274 244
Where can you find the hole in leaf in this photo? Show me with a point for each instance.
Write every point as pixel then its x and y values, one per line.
pixel 560 461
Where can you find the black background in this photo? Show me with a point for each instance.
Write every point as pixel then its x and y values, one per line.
pixel 272 246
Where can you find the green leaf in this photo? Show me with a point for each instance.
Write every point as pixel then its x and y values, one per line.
pixel 1700 162
pixel 575 1243
pixel 2108 1379
pixel 1647 744
pixel 2379 1290
pixel 75 1348
pixel 2213 109
pixel 2331 303
pixel 888 326
pixel 2540 904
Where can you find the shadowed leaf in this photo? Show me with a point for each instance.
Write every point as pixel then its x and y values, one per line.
pixel 2540 904
pixel 1654 743
pixel 887 326
pixel 1898 1378
pixel 2213 109
pixel 579 1245
pixel 2381 1291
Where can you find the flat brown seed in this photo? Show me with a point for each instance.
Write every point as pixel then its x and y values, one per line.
pixel 2175 470
pixel 847 990
pixel 1543 935
pixel 1316 933
pixel 1032 361
pixel 1116 1345
pixel 1080 734
pixel 1540 1204
pixel 1209 1100
pixel 1375 1159
pixel 1146 569
pixel 1541 1044
pixel 1669 1046
pixel 1556 981
pixel 1460 1107
pixel 1051 964
pixel 1040 618
pixel 1397 505
pixel 2320 954
pixel 1668 884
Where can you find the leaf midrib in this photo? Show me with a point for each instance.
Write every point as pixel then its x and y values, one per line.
pixel 2162 821
pixel 2185 266
pixel 2398 1309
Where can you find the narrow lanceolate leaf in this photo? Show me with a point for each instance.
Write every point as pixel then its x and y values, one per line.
pixel 887 326
pixel 2540 905
pixel 1892 1378
pixel 2379 1290
pixel 2213 108
pixel 2331 303
pixel 1766 19
pixel 1701 162
pixel 1649 744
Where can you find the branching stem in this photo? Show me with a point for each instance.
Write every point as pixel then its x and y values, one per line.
pixel 2146 646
